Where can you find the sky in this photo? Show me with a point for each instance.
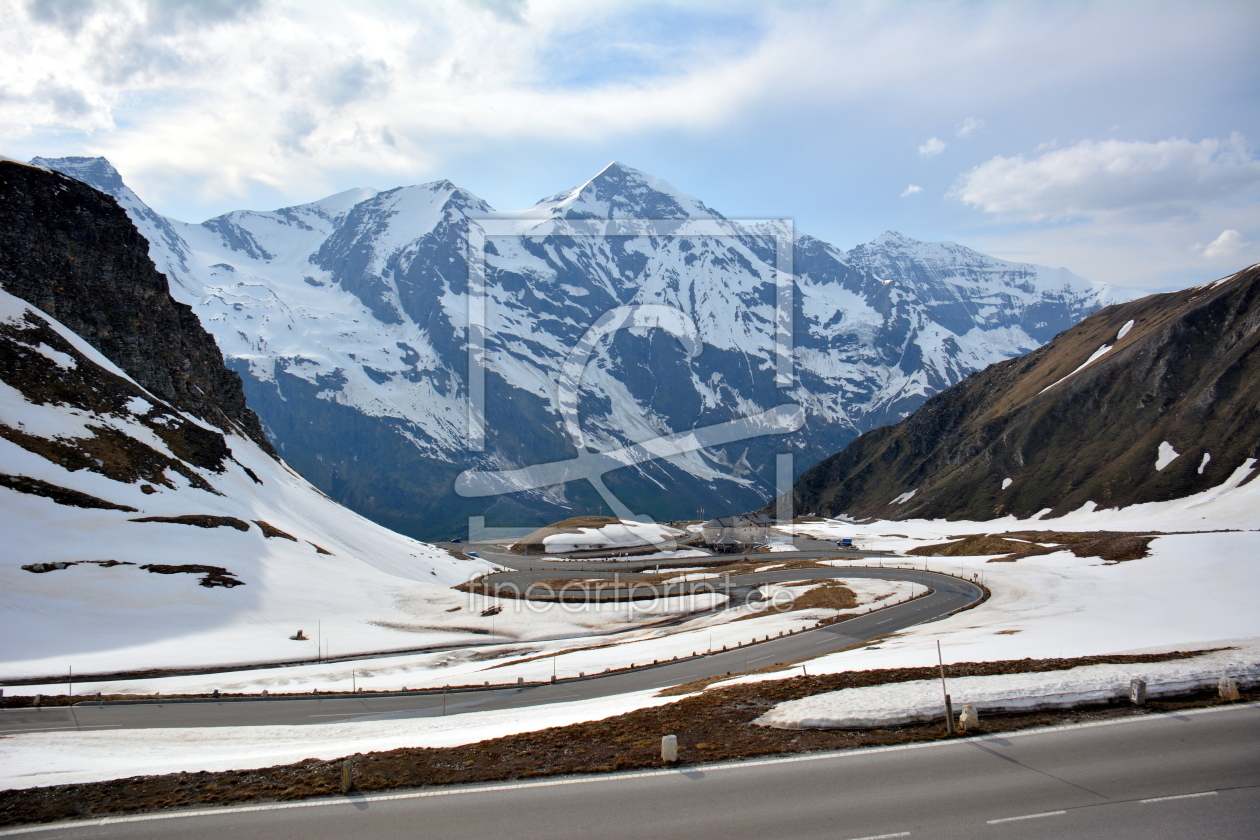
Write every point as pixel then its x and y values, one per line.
pixel 1115 139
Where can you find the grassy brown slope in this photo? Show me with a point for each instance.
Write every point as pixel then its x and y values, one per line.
pixel 1188 372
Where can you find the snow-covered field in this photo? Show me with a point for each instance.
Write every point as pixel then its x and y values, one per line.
pixel 566 657
pixel 896 704
pixel 1193 589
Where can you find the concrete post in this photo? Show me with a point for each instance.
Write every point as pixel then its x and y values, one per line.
pixel 1137 692
pixel 969 721
pixel 669 748
pixel 347 776
pixel 1227 688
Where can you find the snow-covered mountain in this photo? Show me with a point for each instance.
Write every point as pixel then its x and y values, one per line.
pixel 348 319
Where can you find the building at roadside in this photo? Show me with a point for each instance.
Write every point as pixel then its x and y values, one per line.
pixel 733 534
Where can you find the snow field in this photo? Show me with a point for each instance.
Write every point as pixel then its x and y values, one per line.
pixel 896 704
pixel 372 591
pixel 1193 589
pixel 589 653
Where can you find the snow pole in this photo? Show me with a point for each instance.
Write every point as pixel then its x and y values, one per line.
pixel 949 707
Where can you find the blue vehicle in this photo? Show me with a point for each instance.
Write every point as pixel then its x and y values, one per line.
pixel 455 539
pixel 845 543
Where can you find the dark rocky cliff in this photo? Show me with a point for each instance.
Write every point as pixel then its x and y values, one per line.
pixel 1185 374
pixel 73 252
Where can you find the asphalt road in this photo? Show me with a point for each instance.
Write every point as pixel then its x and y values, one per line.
pixel 1182 776
pixel 949 594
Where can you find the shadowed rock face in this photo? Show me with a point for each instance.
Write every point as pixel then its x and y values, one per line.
pixel 73 252
pixel 1170 409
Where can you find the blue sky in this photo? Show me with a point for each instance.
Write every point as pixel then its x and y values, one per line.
pixel 1116 139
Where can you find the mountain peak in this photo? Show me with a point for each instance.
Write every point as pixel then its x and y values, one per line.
pixel 620 191
pixel 894 239
pixel 94 171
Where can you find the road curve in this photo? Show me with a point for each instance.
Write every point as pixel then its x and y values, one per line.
pixel 948 595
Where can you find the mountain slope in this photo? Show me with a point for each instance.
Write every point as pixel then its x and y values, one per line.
pixel 347 319
pixel 143 528
pixel 1144 401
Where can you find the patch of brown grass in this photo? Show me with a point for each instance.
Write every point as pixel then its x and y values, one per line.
pixel 974 545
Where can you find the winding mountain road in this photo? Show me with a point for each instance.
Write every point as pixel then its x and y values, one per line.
pixel 948 595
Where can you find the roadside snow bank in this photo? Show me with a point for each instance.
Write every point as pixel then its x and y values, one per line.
pixel 621 534
pixel 38 759
pixel 920 700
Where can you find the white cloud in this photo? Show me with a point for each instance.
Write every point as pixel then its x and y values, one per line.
pixel 968 127
pixel 932 147
pixel 1166 179
pixel 911 190
pixel 219 104
pixel 1229 244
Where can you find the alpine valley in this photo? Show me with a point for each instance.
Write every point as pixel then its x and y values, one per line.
pixel 347 319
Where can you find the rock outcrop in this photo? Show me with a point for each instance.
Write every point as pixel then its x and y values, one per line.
pixel 74 253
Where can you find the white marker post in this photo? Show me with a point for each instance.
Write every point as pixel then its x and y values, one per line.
pixel 949 707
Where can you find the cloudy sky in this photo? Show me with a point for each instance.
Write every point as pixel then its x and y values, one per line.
pixel 1119 140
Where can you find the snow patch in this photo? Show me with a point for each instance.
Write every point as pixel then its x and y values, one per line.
pixel 1207 456
pixel 1006 482
pixel 137 405
pixel 920 700
pixel 64 360
pixel 904 497
pixel 622 534
pixel 1098 354
pixel 1166 456
pixel 1124 330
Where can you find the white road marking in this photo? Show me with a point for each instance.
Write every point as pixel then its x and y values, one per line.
pixel 1027 817
pixel 884 836
pixel 1182 796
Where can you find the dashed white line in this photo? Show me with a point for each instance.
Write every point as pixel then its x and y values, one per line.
pixel 1027 817
pixel 1181 796
pixel 884 836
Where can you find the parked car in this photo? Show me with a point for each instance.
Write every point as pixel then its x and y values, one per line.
pixel 455 539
